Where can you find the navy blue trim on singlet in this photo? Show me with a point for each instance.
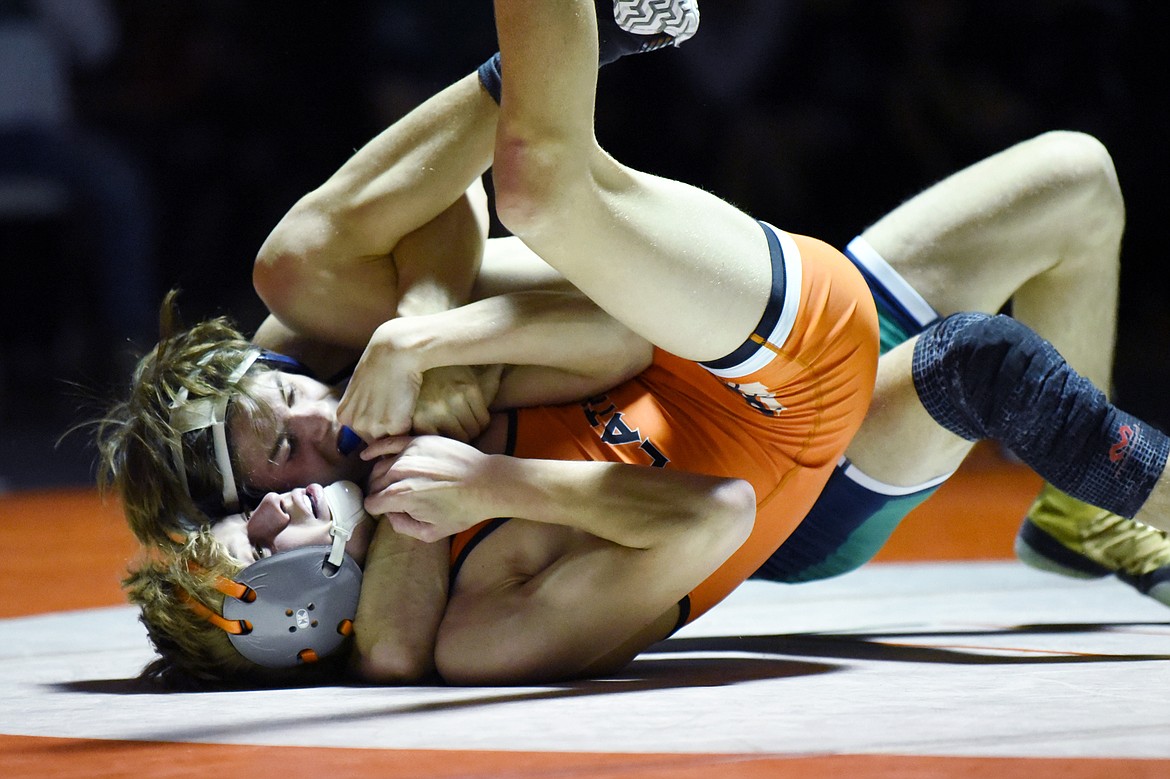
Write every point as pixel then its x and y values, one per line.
pixel 510 440
pixel 888 305
pixel 771 313
pixel 486 531
pixel 283 362
pixel 684 613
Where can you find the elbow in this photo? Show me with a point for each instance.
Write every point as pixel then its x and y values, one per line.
pixel 284 266
pixel 384 655
pixel 389 662
pixel 271 276
pixel 721 523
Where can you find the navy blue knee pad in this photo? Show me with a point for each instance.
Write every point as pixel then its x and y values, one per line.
pixel 981 377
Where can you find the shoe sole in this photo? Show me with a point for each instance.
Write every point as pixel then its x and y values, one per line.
pixel 1039 550
pixel 677 18
pixel 1160 592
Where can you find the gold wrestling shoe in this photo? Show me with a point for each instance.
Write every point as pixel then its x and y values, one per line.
pixel 1063 535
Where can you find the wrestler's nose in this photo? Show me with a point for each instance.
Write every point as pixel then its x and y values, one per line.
pixel 312 423
pixel 267 521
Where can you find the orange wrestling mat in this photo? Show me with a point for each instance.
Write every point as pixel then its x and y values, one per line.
pixel 949 659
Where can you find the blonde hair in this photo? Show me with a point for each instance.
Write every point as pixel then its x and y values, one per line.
pixel 171 588
pixel 136 439
pixel 174 583
pixel 193 652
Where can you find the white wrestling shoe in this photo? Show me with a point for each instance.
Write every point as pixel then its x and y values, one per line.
pixel 678 19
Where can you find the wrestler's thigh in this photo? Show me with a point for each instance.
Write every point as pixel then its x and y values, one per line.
pixel 970 241
pixel 682 268
pixel 898 443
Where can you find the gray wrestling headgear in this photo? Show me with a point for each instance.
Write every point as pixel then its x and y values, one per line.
pixel 301 607
pixel 298 606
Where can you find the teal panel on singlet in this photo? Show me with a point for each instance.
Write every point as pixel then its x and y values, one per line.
pixel 890 330
pixel 849 523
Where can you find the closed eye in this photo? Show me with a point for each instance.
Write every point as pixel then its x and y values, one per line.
pixel 274 453
pixel 288 395
pixel 290 398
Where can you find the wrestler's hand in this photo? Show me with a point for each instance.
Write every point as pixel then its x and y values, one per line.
pixel 453 401
pixel 428 487
pixel 382 393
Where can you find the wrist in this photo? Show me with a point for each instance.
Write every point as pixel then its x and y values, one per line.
pixel 404 342
pixel 500 488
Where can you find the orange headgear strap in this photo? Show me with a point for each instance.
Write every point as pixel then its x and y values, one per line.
pixel 230 589
pixel 234 626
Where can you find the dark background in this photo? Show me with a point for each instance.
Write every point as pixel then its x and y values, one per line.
pixel 210 117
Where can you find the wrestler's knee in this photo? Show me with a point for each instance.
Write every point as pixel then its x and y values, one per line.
pixel 1079 157
pixel 969 367
pixel 983 376
pixel 532 176
pixel 991 377
pixel 1081 174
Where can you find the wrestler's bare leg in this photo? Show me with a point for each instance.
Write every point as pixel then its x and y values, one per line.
pixel 1039 224
pixel 617 234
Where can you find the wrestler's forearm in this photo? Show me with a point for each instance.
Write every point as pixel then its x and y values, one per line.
pixel 438 263
pixel 562 331
pixel 404 595
pixel 631 505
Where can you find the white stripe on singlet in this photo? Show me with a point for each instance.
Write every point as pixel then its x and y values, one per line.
pixel 790 256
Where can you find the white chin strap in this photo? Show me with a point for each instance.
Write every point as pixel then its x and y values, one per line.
pixel 189 416
pixel 346 508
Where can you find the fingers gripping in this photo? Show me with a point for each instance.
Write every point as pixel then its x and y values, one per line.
pixel 438 483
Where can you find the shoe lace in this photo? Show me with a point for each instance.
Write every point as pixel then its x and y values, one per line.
pixel 1126 544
